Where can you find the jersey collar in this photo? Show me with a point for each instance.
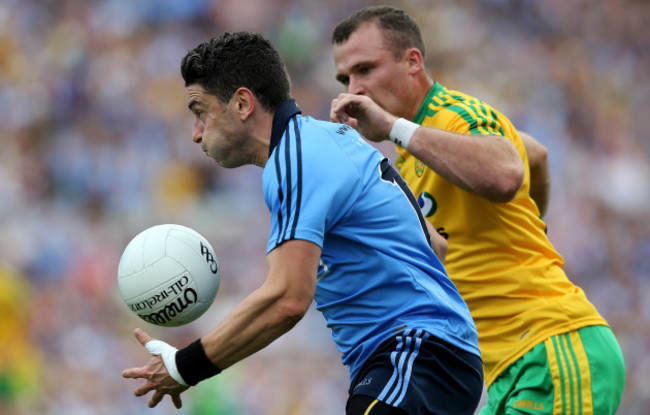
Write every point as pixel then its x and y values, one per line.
pixel 435 90
pixel 285 111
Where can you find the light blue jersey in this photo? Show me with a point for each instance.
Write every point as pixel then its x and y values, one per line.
pixel 378 275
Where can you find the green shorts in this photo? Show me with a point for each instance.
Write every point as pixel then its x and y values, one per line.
pixel 580 372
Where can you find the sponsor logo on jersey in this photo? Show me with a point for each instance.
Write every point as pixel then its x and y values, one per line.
pixel 428 204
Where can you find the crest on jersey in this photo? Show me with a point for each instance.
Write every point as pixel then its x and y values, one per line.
pixel 419 168
pixel 399 162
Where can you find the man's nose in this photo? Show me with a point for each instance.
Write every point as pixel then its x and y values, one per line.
pixel 197 132
pixel 355 87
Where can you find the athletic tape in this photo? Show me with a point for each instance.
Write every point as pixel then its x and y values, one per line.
pixel 168 355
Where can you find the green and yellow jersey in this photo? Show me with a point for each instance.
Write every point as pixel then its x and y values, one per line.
pixel 499 256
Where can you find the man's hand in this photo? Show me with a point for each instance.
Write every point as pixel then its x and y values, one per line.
pixel 157 376
pixel 438 243
pixel 363 114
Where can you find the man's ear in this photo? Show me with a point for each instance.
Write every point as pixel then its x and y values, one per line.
pixel 413 57
pixel 245 102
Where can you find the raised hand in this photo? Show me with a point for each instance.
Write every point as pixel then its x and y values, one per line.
pixel 157 376
pixel 363 114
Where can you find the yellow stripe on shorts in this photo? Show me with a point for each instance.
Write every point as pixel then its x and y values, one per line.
pixel 370 407
pixel 570 372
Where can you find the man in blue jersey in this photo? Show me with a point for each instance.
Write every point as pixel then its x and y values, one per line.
pixel 346 232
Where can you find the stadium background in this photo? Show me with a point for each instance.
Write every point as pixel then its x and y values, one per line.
pixel 95 146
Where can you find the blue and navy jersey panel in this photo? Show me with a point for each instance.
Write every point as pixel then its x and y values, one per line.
pixel 323 183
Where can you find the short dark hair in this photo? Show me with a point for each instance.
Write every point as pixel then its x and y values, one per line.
pixel 240 59
pixel 400 30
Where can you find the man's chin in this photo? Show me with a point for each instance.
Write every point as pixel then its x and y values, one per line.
pixel 228 164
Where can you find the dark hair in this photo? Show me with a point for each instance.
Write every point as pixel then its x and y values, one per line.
pixel 400 30
pixel 240 59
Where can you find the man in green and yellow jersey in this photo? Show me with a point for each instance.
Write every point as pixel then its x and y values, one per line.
pixel 484 186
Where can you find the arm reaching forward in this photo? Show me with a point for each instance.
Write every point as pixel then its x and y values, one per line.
pixel 488 166
pixel 263 316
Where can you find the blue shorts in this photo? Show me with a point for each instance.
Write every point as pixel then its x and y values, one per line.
pixel 416 373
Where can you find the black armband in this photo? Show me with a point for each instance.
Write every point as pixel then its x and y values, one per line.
pixel 193 364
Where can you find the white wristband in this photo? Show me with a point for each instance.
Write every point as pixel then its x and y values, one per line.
pixel 402 132
pixel 168 355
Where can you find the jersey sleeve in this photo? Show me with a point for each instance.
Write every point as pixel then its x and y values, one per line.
pixel 477 119
pixel 308 187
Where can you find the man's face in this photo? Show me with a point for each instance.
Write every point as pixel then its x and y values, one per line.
pixel 215 128
pixel 365 66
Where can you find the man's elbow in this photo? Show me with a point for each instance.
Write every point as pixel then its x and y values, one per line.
pixel 292 310
pixel 538 160
pixel 508 184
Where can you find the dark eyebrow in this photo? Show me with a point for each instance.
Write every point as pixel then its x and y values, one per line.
pixel 344 78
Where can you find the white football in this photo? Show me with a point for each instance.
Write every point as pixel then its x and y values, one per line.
pixel 169 275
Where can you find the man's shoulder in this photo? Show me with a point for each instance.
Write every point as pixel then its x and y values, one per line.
pixel 315 125
pixel 324 136
pixel 458 111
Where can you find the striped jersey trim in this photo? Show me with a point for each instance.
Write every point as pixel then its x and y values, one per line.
pixel 298 175
pixel 408 347
pixel 480 117
pixel 292 163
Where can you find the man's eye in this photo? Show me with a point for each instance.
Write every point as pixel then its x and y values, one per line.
pixel 364 70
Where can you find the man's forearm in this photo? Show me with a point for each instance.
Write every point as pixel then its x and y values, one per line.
pixel 488 166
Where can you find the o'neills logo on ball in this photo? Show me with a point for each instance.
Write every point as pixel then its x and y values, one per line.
pixel 173 309
pixel 184 297
pixel 172 290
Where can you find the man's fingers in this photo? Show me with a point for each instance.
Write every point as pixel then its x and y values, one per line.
pixel 342 106
pixel 155 347
pixel 142 337
pixel 144 389
pixel 352 122
pixel 336 115
pixel 176 398
pixel 332 112
pixel 155 399
pixel 136 373
pixel 341 115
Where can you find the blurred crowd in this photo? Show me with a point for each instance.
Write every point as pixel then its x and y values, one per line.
pixel 95 146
